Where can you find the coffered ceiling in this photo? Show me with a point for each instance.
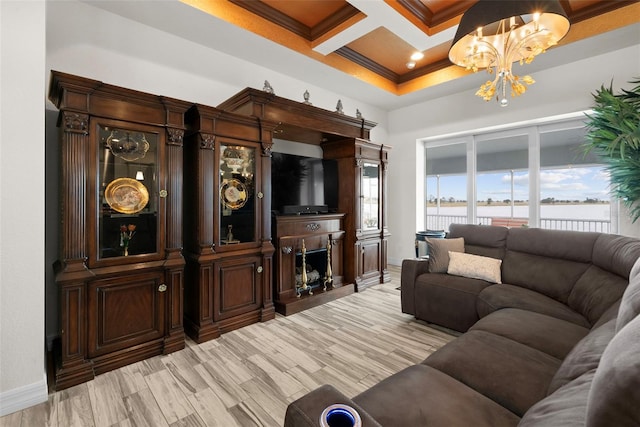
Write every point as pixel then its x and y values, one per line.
pixel 373 40
pixel 356 48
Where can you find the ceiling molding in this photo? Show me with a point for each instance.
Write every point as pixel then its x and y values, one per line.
pixel 343 15
pixel 427 69
pixel 265 11
pixel 367 63
pixel 595 10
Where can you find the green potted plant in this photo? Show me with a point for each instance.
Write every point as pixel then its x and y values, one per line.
pixel 613 133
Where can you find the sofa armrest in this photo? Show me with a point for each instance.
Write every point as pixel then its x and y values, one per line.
pixel 411 269
pixel 306 411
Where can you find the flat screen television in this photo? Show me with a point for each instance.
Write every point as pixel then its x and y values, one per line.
pixel 303 185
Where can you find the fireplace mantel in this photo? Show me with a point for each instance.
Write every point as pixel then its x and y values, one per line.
pixel 289 232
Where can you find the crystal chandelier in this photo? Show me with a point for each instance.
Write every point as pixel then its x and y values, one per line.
pixel 495 34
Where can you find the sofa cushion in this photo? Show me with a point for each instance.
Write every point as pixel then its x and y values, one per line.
pixel 545 333
pixel 615 392
pixel 553 277
pixel 595 291
pixel 512 374
pixel 574 246
pixel 448 301
pixel 585 356
pixel 484 240
pixel 630 303
pixel 474 267
pixel 439 252
pixel 567 407
pixel 611 313
pixel 422 396
pixel 616 254
pixel 508 296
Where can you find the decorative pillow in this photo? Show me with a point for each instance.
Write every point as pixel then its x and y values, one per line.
pixel 475 267
pixel 438 250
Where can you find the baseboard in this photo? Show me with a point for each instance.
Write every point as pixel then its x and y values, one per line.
pixel 23 397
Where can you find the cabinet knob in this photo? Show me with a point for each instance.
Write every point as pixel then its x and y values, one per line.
pixel 162 287
pixel 260 194
pixel 259 269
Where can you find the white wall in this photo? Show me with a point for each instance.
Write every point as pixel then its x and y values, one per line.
pixel 22 362
pixel 560 90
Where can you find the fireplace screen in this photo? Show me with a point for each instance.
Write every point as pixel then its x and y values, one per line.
pixel 313 269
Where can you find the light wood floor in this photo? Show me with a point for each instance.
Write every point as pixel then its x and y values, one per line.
pixel 249 376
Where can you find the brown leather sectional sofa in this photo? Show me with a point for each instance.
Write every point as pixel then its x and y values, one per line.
pixel 556 343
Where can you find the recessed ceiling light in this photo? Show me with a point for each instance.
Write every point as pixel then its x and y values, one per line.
pixel 411 65
pixel 417 56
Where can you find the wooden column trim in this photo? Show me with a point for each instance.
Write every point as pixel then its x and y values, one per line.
pixel 174 201
pixel 207 203
pixel 75 140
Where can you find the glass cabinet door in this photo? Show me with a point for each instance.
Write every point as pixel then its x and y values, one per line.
pixel 127 197
pixel 370 199
pixel 237 194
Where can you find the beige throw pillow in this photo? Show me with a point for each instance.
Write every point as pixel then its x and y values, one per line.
pixel 439 252
pixel 475 267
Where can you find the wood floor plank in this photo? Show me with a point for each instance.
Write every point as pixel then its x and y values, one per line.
pixel 131 379
pixel 191 420
pixel 212 410
pixel 257 414
pixel 143 410
pixel 248 377
pixel 76 410
pixel 44 414
pixel 222 384
pixel 107 399
pixel 268 400
pixel 12 420
pixel 171 400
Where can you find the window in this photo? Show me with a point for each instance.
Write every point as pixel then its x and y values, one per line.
pixel 446 186
pixel 502 179
pixel 574 188
pixel 536 176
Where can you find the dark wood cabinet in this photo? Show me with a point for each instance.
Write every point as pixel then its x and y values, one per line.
pixel 362 172
pixel 227 222
pixel 120 271
pixel 362 167
pixel 158 239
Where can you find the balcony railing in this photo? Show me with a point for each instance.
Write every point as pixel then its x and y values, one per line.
pixel 442 222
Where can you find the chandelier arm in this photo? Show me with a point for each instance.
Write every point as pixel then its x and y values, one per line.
pixel 493 52
pixel 517 46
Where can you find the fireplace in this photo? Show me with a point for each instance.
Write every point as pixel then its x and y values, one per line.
pixel 308 261
pixel 313 269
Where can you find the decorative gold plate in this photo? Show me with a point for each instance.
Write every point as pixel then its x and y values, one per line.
pixel 126 195
pixel 233 193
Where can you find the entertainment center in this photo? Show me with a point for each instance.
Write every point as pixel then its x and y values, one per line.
pixel 174 219
pixel 361 174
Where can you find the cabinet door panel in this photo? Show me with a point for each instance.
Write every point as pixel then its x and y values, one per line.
pixel 370 257
pixel 238 289
pixel 125 312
